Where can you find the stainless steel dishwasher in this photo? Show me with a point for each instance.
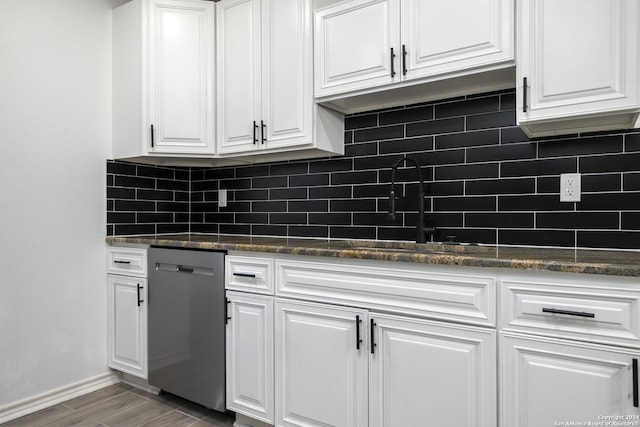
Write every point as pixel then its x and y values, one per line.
pixel 186 324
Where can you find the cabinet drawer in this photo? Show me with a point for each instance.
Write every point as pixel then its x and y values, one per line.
pixel 249 273
pixel 128 261
pixel 401 288
pixel 609 315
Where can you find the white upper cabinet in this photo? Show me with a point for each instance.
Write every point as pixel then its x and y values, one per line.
pixel 264 78
pixel 181 78
pixel 163 78
pixel 356 43
pixel 369 53
pixel 578 65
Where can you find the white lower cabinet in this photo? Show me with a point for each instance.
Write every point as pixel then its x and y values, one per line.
pixel 339 366
pixel 568 347
pixel 330 357
pixel 549 382
pixel 431 373
pixel 128 324
pixel 127 309
pixel 321 369
pixel 249 342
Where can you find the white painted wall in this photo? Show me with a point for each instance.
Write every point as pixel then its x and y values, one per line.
pixel 55 132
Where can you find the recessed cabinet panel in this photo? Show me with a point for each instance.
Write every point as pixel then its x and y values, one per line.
pixel 353 44
pixel 487 36
pixel 596 32
pixel 548 381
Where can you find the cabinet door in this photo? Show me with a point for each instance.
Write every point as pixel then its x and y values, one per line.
pixel 321 374
pixel 238 75
pixel 181 77
pixel 128 324
pixel 546 382
pixel 429 373
pixel 435 44
pixel 250 355
pixel 287 83
pixel 353 43
pixel 578 56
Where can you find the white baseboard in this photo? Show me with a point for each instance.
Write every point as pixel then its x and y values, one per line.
pixel 53 397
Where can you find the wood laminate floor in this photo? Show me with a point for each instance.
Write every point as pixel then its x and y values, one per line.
pixel 121 405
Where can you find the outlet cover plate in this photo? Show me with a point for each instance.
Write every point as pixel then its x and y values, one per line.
pixel 570 188
pixel 222 198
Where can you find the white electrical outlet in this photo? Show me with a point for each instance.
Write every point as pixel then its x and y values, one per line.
pixel 222 198
pixel 570 187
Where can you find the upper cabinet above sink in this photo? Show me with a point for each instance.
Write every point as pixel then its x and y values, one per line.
pixel 380 53
pixel 578 65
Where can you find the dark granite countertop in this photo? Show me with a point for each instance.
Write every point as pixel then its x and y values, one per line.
pixel 610 262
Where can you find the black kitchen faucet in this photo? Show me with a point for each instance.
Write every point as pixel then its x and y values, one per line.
pixel 422 230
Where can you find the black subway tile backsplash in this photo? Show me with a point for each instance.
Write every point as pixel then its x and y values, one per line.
pixel 406 115
pixel 492 184
pixel 473 105
pixel 431 127
pixel 379 133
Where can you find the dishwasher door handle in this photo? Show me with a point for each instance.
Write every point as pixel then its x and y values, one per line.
pixel 185 269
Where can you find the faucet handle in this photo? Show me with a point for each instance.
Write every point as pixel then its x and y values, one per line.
pixel 392 204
